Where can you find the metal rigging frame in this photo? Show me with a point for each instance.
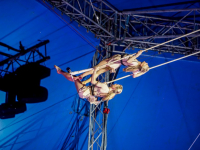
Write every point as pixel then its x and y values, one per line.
pixel 20 61
pixel 136 29
pixel 129 29
pixel 98 119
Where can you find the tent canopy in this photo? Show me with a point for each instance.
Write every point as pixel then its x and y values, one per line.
pixel 159 110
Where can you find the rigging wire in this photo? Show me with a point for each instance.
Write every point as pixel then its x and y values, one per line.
pixel 38 112
pixel 194 141
pixel 81 71
pixel 74 59
pixel 94 12
pixel 70 26
pixel 126 105
pixel 157 66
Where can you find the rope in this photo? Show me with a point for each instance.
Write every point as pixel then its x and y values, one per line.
pixel 156 66
pixel 194 142
pixel 77 72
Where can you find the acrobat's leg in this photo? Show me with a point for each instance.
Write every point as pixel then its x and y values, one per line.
pixel 77 82
pixel 98 73
pixel 65 74
pixel 103 62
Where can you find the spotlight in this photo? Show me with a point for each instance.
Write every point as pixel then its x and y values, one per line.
pixel 28 83
pixel 8 110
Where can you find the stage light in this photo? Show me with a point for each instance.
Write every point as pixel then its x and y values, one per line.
pixel 9 110
pixel 28 83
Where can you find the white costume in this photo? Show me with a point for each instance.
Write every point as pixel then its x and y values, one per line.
pixel 100 90
pixel 124 62
pixel 85 92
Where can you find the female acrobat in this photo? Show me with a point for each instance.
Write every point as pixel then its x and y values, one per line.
pixel 133 65
pixel 99 90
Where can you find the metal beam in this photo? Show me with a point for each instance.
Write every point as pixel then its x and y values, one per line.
pixel 159 11
pixel 160 37
pixel 9 47
pixel 24 52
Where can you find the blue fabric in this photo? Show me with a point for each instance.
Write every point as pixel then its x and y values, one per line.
pixel 157 111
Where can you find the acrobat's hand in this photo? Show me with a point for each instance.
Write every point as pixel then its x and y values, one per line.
pixel 140 52
pixel 133 75
pixel 96 68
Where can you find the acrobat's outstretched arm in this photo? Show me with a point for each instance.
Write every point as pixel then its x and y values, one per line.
pixel 97 74
pixel 138 74
pixel 94 76
pixel 103 62
pixel 109 97
pixel 131 59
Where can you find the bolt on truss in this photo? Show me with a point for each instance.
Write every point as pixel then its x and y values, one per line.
pixel 139 29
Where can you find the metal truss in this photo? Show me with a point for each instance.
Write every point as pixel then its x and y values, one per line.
pixel 137 29
pixel 98 120
pixel 17 58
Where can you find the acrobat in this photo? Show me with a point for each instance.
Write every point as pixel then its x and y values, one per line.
pixel 99 89
pixel 111 64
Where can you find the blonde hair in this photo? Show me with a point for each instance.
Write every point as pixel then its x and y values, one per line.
pixel 118 89
pixel 111 94
pixel 143 67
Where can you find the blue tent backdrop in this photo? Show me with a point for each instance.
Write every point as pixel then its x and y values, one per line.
pixel 157 111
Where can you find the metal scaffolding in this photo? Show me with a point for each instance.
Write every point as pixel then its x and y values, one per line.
pixel 134 29
pixel 138 29
pixel 98 119
pixel 32 51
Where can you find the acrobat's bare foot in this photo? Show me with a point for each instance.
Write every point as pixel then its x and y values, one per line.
pixel 58 69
